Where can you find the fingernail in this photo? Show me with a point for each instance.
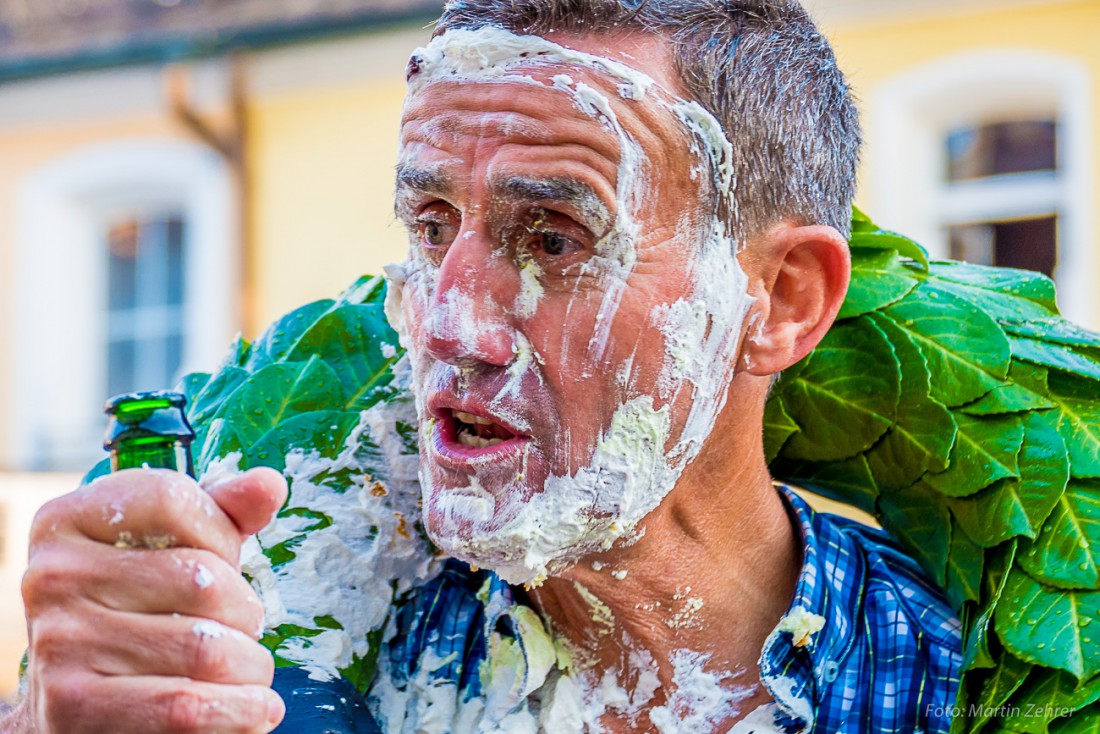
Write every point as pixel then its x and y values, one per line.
pixel 276 709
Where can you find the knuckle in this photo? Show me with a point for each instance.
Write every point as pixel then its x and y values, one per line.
pixel 265 662
pixel 253 711
pixel 53 639
pixel 166 499
pixel 64 701
pixel 49 518
pixel 49 575
pixel 185 710
pixel 207 657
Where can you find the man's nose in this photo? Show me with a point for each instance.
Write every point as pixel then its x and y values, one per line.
pixel 467 321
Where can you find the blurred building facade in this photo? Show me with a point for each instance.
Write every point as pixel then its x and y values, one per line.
pixel 175 171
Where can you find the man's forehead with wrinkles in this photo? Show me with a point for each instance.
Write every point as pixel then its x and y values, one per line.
pixel 552 106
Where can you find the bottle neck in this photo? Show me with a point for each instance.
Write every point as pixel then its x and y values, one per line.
pixel 160 452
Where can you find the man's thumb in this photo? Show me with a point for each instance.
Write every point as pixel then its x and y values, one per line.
pixel 251 499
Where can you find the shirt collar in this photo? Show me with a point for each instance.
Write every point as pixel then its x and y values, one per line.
pixel 803 654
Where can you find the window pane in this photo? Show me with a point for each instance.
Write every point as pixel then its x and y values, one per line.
pixel 174 358
pixel 1031 244
pixel 146 281
pixel 152 275
pixel 1000 148
pixel 120 367
pixel 174 243
pixel 122 245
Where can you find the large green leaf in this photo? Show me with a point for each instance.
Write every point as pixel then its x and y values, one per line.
pixel 994 515
pixel 323 431
pixel 853 373
pixel 847 481
pixel 1055 330
pixel 1025 391
pixel 220 439
pixel 976 645
pixel 1006 294
pixel 1046 698
pixel 1085 721
pixel 965 563
pixel 965 349
pixel 279 339
pixel 1003 681
pixel 878 279
pixel 921 438
pixel 279 391
pixel 214 393
pixel 1044 468
pixel 1012 506
pixel 1067 551
pixel 367 289
pixel 918 517
pixel 1077 407
pixel 867 235
pixel 1056 356
pixel 192 384
pixel 778 427
pixel 986 450
pixel 1049 626
pixel 359 345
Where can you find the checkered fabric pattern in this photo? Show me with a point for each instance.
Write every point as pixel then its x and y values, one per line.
pixel 888 657
pixel 886 660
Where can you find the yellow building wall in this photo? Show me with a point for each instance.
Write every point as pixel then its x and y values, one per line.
pixel 322 173
pixel 23 152
pixel 872 52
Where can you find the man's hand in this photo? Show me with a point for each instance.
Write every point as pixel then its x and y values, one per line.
pixel 137 615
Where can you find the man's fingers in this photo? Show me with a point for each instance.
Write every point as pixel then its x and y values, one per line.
pixel 182 580
pixel 84 703
pixel 141 508
pixel 251 499
pixel 191 647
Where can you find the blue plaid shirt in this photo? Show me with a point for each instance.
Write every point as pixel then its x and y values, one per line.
pixel 886 660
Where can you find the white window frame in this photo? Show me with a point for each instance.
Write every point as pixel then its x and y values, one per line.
pixel 61 288
pixel 909 117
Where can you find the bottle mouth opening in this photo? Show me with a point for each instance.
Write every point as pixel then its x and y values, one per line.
pixel 143 402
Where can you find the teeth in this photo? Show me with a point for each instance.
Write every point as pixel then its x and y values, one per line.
pixel 472 419
pixel 477 442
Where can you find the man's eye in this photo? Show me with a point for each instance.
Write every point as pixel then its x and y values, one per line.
pixel 547 237
pixel 553 243
pixel 432 233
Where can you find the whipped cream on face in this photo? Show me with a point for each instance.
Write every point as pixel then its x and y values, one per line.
pixel 630 470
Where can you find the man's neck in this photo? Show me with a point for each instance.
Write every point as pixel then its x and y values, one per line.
pixel 710 578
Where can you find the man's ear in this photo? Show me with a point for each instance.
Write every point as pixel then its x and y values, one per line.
pixel 800 276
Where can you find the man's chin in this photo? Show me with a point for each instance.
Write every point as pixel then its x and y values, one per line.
pixel 518 546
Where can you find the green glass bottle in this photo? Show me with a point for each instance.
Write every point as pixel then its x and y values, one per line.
pixel 149 429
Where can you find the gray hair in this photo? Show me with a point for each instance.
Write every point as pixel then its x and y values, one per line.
pixel 761 67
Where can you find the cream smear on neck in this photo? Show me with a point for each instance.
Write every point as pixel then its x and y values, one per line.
pixel 630 470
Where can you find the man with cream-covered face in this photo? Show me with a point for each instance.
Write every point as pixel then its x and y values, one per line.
pixel 624 221
pixel 625 218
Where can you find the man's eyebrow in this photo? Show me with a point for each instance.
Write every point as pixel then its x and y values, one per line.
pixel 582 196
pixel 421 179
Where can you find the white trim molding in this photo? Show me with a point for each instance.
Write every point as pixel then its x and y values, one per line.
pixel 61 281
pixel 910 114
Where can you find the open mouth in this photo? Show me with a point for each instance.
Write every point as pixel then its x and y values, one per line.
pixel 477 432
